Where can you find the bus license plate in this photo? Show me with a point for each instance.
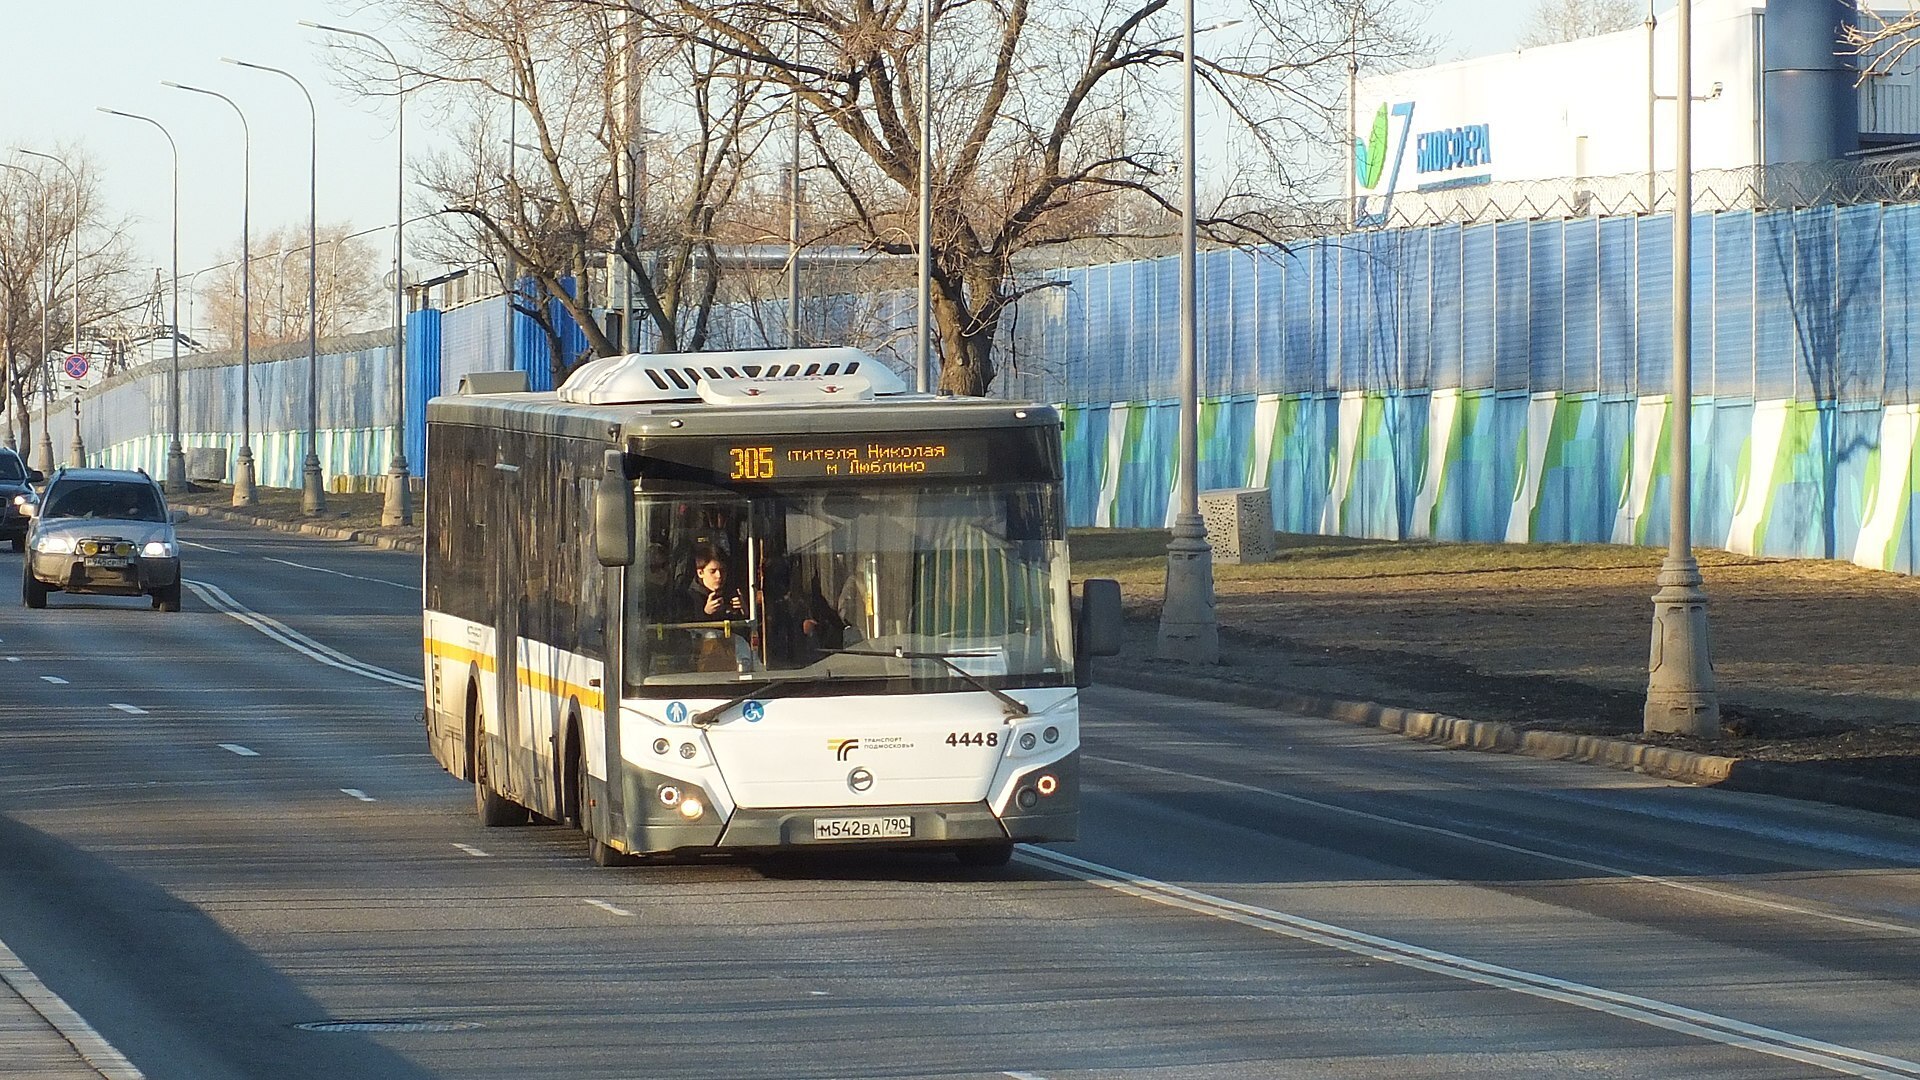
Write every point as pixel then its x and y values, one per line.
pixel 880 828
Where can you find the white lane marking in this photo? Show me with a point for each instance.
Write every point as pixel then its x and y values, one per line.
pixel 818 993
pixel 54 679
pixel 293 639
pixel 604 906
pixel 358 794
pixel 207 547
pixel 13 659
pixel 337 573
pixel 1650 1011
pixel 1568 860
pixel 130 710
pixel 473 851
pixel 236 748
pixel 1023 1076
pixel 96 1050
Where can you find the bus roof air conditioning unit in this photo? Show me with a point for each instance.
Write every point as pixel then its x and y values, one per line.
pixel 741 377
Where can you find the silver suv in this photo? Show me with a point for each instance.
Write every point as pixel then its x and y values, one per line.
pixel 103 531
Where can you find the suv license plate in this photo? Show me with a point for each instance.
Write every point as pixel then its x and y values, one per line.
pixel 880 828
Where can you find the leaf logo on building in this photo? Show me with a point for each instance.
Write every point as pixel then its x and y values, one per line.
pixel 1370 153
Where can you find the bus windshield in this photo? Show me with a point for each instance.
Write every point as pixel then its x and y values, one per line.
pixel 808 584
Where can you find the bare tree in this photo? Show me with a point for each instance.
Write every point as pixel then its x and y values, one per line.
pixel 1044 117
pixel 1554 21
pixel 1881 40
pixel 39 206
pixel 349 292
pixel 563 176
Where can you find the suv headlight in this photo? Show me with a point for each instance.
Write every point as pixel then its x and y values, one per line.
pixel 54 545
pixel 158 549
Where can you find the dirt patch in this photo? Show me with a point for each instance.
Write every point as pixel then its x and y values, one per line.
pixel 1813 659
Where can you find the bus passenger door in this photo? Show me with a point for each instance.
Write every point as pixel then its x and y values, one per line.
pixel 509 772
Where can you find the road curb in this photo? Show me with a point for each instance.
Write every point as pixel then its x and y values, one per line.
pixel 307 528
pixel 1786 779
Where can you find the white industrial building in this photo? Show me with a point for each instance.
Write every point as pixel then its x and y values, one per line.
pixel 1588 126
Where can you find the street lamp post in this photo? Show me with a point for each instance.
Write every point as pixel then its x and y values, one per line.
pixel 924 347
pixel 313 491
pixel 176 456
pixel 77 452
pixel 1188 630
pixel 243 470
pixel 6 359
pixel 1680 690
pixel 398 508
pixel 44 455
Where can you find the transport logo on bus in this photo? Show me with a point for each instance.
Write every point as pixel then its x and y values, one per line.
pixel 842 747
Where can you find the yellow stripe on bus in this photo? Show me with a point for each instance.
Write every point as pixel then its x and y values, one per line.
pixel 549 684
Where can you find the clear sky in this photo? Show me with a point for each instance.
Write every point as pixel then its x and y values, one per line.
pixel 65 58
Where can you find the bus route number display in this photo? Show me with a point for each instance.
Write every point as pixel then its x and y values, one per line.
pixel 854 458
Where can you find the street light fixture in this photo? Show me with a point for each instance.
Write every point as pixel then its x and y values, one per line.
pixel 77 453
pixel 313 491
pixel 243 469
pixel 1680 692
pixel 398 509
pixel 1188 629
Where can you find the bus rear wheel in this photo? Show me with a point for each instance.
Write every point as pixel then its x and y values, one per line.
pixel 496 811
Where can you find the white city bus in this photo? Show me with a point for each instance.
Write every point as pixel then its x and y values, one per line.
pixel 756 601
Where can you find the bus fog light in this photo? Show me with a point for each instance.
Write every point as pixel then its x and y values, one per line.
pixel 669 795
pixel 661 746
pixel 691 809
pixel 1026 798
pixel 1047 785
pixel 1052 734
pixel 1027 741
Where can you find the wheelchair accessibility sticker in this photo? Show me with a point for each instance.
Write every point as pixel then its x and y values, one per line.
pixel 754 712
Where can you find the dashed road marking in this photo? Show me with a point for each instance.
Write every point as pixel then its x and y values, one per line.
pixel 130 710
pixel 610 909
pixel 54 679
pixel 236 748
pixel 358 794
pixel 474 851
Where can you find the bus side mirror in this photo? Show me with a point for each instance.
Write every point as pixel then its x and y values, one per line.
pixel 1097 625
pixel 613 512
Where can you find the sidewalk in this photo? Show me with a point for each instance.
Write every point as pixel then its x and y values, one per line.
pixel 41 1038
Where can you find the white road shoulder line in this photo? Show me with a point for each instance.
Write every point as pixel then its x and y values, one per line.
pixel 217 598
pixel 90 1045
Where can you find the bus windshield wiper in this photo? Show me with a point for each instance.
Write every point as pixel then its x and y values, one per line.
pixel 707 716
pixel 1010 705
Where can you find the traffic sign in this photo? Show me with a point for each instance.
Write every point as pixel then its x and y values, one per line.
pixel 76 366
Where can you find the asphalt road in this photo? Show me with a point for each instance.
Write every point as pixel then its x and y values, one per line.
pixel 221 827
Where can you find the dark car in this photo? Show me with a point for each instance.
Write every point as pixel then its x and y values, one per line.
pixel 16 483
pixel 103 531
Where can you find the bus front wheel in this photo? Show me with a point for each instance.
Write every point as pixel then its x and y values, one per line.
pixel 602 853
